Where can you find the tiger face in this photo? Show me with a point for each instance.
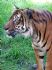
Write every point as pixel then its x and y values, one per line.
pixel 17 24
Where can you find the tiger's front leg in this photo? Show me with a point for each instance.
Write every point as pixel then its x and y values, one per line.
pixel 39 59
pixel 49 59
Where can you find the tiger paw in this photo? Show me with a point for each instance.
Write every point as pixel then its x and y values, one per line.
pixel 34 67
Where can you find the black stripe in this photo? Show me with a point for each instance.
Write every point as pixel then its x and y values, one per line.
pixel 50 14
pixel 43 15
pixel 41 57
pixel 39 37
pixel 44 20
pixel 36 20
pixel 47 13
pixel 44 32
pixel 49 48
pixel 36 30
pixel 40 20
pixel 45 42
pixel 44 67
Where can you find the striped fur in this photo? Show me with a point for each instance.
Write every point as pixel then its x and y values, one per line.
pixel 38 25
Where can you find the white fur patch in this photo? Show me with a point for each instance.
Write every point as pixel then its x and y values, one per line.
pixel 28 33
pixel 19 15
pixel 42 53
pixel 8 36
pixel 42 63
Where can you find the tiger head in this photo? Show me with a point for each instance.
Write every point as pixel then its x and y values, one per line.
pixel 18 24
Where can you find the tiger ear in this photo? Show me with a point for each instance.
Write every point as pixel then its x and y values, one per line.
pixel 29 13
pixel 16 6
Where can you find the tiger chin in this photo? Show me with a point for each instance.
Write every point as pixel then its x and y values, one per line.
pixel 38 25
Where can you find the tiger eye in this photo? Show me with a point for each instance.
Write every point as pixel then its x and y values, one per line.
pixel 22 28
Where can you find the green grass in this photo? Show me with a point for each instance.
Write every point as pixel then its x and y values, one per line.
pixel 16 53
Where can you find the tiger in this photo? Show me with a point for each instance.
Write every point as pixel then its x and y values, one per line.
pixel 36 24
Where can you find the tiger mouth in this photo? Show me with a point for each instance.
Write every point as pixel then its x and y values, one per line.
pixel 12 33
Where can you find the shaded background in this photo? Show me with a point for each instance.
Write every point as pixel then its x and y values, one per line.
pixel 17 53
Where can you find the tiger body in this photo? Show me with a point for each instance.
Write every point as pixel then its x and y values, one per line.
pixel 42 44
pixel 38 25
